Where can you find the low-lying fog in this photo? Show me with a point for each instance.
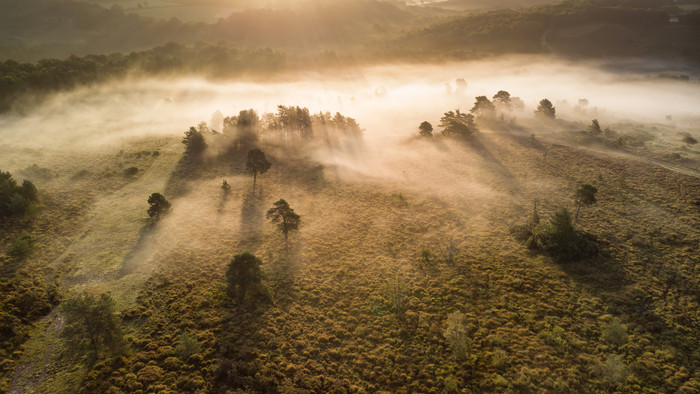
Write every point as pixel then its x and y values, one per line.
pixel 388 101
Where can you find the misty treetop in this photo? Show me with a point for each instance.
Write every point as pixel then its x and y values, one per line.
pixel 257 164
pixel 457 124
pixel 291 123
pixel 194 143
pixel 284 216
pixel 545 109
pixel 158 206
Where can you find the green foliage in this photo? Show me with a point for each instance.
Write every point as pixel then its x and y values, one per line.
pixel 425 129
pixel 21 245
pixel 16 200
pixel 187 346
pixel 585 195
pixel 245 277
pixel 91 324
pixel 614 333
pixel 194 143
pixel 613 370
pixel 457 335
pixel 457 124
pixel 158 206
pixel 561 239
pixel 545 110
pixel 285 217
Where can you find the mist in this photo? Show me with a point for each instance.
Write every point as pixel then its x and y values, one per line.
pixel 388 101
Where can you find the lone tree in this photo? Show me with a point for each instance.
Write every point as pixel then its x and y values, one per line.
pixel 257 164
pixel 585 195
pixel 91 324
pixel 483 108
pixel 285 217
pixel 194 143
pixel 457 124
pixel 245 278
pixel 545 109
pixel 562 240
pixel 225 188
pixel 594 127
pixel 426 129
pixel 158 205
pixel 502 100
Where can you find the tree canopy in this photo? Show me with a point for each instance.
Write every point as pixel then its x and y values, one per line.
pixel 16 200
pixel 457 124
pixel 257 164
pixel 158 205
pixel 545 109
pixel 194 142
pixel 91 324
pixel 245 276
pixel 502 100
pixel 285 217
pixel 425 129
pixel 483 108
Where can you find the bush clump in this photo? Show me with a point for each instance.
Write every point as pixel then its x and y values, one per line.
pixel 15 199
pixel 559 238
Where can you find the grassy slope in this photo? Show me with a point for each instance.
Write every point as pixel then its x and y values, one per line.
pixel 85 228
pixel 533 323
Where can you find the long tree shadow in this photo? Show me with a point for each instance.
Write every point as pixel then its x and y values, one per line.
pixel 501 172
pixel 251 215
pixel 144 249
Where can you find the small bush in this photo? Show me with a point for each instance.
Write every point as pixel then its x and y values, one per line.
pixel 614 333
pixel 131 171
pixel 188 346
pixel 21 245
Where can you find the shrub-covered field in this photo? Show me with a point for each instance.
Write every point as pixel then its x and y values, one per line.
pixel 397 280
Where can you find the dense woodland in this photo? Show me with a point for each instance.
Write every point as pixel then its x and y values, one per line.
pixel 508 250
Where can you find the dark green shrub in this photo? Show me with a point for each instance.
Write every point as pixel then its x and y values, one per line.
pixel 562 240
pixel 21 245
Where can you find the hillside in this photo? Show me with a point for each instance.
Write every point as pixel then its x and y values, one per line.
pixel 356 307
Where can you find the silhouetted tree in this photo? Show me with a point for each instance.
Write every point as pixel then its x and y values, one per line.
pixel 257 164
pixel 225 188
pixel 243 271
pixel 560 239
pixel 91 324
pixel 285 217
pixel 545 109
pixel 194 142
pixel 483 108
pixel 502 100
pixel 594 127
pixel 461 85
pixel 585 195
pixel 426 129
pixel 457 124
pixel 158 205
